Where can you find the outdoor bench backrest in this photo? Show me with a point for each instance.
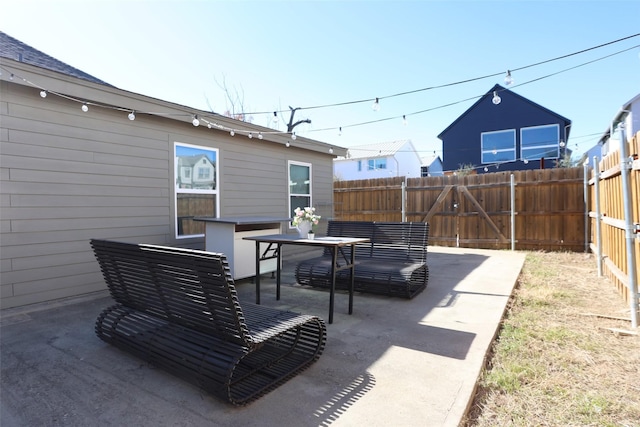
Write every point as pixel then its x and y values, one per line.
pixel 402 241
pixel 186 287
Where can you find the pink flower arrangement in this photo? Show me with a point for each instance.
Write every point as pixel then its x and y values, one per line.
pixel 307 214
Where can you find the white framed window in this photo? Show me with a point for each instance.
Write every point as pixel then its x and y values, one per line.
pixel 196 187
pixel 538 142
pixel 498 146
pixel 299 186
pixel 375 164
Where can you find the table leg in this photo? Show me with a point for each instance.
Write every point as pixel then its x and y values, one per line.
pixel 278 273
pixel 257 272
pixel 352 279
pixel 332 290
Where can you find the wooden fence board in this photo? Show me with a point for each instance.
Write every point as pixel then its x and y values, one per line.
pixel 475 210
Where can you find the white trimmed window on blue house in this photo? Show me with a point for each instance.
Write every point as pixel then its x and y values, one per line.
pixel 499 146
pixel 539 142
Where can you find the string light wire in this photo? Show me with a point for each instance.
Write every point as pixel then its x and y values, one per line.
pixel 211 122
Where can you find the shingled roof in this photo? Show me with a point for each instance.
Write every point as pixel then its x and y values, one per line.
pixel 18 51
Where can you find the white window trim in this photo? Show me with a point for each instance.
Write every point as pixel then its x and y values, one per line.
pixel 483 151
pixel 177 191
pixel 289 194
pixel 555 144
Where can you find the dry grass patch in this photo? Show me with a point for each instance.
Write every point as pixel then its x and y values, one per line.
pixel 551 364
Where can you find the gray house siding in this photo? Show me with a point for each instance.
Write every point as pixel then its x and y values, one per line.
pixel 69 176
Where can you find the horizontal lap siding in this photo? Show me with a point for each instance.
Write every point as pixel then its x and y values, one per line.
pixel 69 176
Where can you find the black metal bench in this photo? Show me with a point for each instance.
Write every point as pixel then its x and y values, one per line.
pixel 393 263
pixel 178 309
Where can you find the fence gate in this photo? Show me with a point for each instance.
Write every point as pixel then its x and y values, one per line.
pixel 474 211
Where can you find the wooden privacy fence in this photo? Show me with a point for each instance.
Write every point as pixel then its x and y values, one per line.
pixel 616 250
pixel 475 211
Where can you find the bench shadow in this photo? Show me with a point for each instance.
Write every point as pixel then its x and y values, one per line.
pixel 331 410
pixel 447 270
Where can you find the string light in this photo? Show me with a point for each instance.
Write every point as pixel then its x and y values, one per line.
pixel 376 105
pixel 293 136
pixel 404 120
pixel 287 144
pixel 508 80
pixel 259 135
pixel 85 107
pixel 250 135
pixel 132 115
pixel 44 92
pixel 232 132
pixel 496 99
pixel 330 150
pixel 195 121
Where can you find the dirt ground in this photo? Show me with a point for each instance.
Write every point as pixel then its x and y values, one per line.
pixel 562 357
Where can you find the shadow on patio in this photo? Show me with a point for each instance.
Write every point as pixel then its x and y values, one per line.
pixel 393 362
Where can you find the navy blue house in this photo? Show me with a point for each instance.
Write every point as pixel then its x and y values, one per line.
pixel 505 131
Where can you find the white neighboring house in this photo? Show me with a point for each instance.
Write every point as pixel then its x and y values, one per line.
pixel 383 160
pixel 195 172
pixel 431 166
pixel 629 114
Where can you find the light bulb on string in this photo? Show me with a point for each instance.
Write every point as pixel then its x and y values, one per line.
pixel 209 125
pixel 260 135
pixel 250 135
pixel 486 169
pixel 232 132
pixel 376 105
pixel 526 161
pixel 275 117
pixel 132 115
pixel 404 120
pixel 85 107
pixel 496 99
pixel 340 131
pixel 11 76
pixel 287 144
pixel 508 80
pixel 562 144
pixel 195 121
pixel 43 93
pixel 330 150
pixel 293 136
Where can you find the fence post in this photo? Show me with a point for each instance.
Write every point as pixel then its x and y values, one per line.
pixel 404 199
pixel 586 208
pixel 625 171
pixel 513 212
pixel 596 186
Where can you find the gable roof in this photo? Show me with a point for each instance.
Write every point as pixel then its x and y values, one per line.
pixel 383 149
pixel 497 88
pixel 18 51
pixel 430 159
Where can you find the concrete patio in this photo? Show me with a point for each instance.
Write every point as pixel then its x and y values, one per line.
pixel 394 362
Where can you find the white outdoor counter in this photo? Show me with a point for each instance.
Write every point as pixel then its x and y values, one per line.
pixel 226 234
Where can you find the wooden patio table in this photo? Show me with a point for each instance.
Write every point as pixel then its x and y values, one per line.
pixel 335 244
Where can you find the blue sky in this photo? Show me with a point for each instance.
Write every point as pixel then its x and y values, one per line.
pixel 311 53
